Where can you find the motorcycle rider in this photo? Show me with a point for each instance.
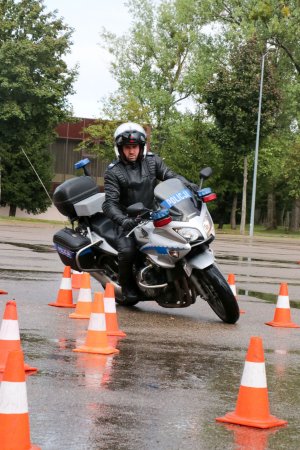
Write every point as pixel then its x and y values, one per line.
pixel 128 180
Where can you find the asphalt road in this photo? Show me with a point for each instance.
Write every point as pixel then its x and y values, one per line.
pixel 177 370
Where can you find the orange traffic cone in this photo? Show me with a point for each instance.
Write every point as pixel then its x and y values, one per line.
pixel 65 296
pixel 112 326
pixel 14 418
pixel 10 335
pixel 252 408
pixel 282 316
pixel 3 292
pixel 84 303
pixel 76 279
pixel 231 282
pixel 96 339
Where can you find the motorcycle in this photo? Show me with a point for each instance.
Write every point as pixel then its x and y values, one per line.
pixel 174 264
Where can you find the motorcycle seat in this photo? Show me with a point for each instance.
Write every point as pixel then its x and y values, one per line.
pixel 105 227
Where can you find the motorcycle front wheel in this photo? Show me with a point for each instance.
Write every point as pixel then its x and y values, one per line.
pixel 212 287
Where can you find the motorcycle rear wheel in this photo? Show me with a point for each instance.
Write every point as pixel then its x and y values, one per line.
pixel 218 294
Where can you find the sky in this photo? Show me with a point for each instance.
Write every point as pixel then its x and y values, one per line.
pixel 88 17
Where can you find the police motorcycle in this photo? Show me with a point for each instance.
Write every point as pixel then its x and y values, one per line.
pixel 174 265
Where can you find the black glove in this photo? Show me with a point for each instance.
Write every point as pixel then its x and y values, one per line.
pixel 129 224
pixel 193 187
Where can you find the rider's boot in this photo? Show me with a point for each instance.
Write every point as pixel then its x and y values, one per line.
pixel 130 292
pixel 128 285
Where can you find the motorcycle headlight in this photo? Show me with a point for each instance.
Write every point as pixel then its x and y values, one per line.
pixel 208 225
pixel 189 234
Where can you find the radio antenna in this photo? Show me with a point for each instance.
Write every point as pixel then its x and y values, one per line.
pixel 36 174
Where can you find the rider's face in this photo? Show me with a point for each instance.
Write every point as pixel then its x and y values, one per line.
pixel 131 152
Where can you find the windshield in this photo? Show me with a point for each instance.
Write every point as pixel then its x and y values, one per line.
pixel 175 196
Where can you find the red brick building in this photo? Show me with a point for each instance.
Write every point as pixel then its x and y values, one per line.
pixel 65 153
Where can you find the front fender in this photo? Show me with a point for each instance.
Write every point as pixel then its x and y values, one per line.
pixel 202 260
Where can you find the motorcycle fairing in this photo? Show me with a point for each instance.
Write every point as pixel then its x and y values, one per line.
pixel 202 260
pixel 173 194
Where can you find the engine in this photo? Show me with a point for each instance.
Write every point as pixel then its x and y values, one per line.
pixel 152 281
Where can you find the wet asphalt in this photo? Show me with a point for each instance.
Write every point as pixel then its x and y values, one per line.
pixel 177 370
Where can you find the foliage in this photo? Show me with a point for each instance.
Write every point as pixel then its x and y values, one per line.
pixel 34 83
pixel 232 99
pixel 190 148
pixel 270 21
pixel 291 170
pixel 158 65
pixel 198 89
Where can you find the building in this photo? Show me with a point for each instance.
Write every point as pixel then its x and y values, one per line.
pixel 69 135
pixel 65 154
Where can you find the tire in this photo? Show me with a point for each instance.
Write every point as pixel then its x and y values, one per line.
pixel 216 291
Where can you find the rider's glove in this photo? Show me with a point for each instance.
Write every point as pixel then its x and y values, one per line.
pixel 129 224
pixel 193 187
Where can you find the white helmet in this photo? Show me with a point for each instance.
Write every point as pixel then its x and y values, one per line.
pixel 130 133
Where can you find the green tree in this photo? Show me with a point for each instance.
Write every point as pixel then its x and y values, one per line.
pixel 292 179
pixel 269 21
pixel 272 185
pixel 232 99
pixel 158 65
pixel 34 84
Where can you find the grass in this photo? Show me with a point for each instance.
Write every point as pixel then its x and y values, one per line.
pixel 23 219
pixel 259 230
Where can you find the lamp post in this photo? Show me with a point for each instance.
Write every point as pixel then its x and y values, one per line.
pixel 251 230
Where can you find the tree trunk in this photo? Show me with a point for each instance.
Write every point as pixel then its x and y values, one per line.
pixel 233 213
pixel 12 210
pixel 271 211
pixel 295 219
pixel 244 199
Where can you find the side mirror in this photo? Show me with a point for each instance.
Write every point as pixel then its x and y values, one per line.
pixel 136 209
pixel 205 173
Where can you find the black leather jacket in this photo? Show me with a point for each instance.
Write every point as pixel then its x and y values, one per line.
pixel 129 183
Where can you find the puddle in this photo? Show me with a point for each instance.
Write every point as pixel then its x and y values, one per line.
pixel 251 260
pixel 271 298
pixel 39 248
pixel 29 275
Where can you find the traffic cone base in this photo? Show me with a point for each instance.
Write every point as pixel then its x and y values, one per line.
pixel 100 350
pixel 65 296
pixel 96 339
pixel 232 417
pixel 75 315
pixel 252 407
pixel 3 292
pixel 282 324
pixel 282 315
pixel 62 305
pixel 119 333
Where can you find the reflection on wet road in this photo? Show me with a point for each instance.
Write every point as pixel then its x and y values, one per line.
pixel 177 370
